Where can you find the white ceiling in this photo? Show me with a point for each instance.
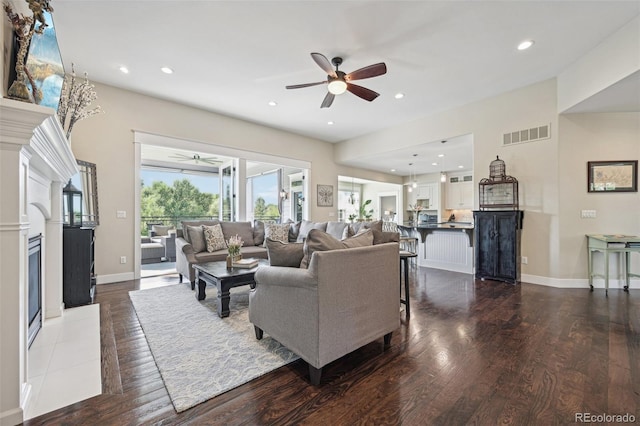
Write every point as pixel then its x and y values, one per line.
pixel 233 57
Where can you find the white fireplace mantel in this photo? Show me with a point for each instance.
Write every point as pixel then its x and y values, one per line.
pixel 35 163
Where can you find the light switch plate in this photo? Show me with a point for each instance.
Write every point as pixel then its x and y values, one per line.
pixel 588 214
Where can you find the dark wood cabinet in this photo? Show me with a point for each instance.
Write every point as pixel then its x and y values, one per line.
pixel 78 268
pixel 497 244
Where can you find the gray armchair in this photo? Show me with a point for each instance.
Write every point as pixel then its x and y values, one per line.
pixel 346 299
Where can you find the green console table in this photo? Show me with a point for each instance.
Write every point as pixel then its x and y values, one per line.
pixel 607 244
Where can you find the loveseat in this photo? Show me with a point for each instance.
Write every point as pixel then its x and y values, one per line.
pixel 191 245
pixel 343 299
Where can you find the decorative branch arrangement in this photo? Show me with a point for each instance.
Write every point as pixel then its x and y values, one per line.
pixel 75 99
pixel 24 29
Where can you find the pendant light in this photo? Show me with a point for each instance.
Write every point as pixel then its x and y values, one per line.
pixel 415 178
pixel 352 197
pixel 410 189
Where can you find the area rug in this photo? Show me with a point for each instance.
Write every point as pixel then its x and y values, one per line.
pixel 199 354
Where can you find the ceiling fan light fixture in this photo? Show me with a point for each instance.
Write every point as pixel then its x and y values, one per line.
pixel 337 87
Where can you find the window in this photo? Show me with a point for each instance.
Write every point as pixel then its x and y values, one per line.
pixel 265 190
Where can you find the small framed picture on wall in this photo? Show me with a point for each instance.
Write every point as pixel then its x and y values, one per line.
pixel 612 176
pixel 325 195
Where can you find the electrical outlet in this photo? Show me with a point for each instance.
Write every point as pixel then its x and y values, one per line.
pixel 123 259
pixel 121 214
pixel 525 260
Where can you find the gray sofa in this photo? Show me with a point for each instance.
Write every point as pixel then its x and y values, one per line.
pixel 344 300
pixel 189 253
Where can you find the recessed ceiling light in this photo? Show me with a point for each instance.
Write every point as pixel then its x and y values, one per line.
pixel 461 167
pixel 166 70
pixel 525 44
pixel 393 170
pixel 330 123
pixel 440 155
pixel 399 95
pixel 273 103
pixel 434 164
pixel 124 70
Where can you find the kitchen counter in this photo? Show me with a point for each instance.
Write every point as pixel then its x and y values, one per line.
pixel 445 245
pixel 425 229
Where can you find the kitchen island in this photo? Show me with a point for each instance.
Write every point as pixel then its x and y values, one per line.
pixel 447 245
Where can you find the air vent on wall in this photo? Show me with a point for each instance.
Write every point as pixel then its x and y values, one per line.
pixel 527 135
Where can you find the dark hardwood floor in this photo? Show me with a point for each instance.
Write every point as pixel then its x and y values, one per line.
pixel 473 352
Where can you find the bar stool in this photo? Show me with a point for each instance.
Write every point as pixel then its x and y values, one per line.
pixel 409 243
pixel 404 263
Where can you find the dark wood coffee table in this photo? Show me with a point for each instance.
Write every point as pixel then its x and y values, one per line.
pixel 217 273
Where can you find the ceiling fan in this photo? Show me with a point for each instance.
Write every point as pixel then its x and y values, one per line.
pixel 195 158
pixel 338 82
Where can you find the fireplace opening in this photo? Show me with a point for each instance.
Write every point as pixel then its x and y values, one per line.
pixel 35 287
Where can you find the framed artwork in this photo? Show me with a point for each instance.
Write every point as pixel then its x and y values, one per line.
pixel 612 176
pixel 325 195
pixel 44 64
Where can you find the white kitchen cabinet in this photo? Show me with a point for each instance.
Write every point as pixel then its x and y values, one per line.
pixel 428 196
pixel 459 195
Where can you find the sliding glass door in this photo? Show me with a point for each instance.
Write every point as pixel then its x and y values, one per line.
pixel 227 192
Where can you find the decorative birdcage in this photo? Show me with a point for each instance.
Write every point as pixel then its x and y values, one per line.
pixel 499 191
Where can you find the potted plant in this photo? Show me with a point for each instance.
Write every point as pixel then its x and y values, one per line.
pixel 365 214
pixel 233 247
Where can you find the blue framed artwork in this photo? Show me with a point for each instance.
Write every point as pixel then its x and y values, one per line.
pixel 44 64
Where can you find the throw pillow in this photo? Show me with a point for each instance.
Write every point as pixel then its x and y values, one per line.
pixel 307 226
pixel 214 238
pixel 355 227
pixel 241 229
pixel 381 237
pixel 197 223
pixel 258 233
pixel 284 254
pixel 196 237
pixel 336 229
pixel 321 241
pixel 277 231
pixel 294 229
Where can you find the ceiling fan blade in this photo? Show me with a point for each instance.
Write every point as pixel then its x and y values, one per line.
pixel 300 86
pixel 363 92
pixel 367 72
pixel 324 63
pixel 328 100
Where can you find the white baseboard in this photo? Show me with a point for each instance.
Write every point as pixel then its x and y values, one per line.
pixel 447 266
pixel 12 417
pixel 576 282
pixel 114 278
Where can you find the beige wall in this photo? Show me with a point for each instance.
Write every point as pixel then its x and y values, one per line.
pixel 551 173
pixel 535 164
pixel 594 137
pixel 107 140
